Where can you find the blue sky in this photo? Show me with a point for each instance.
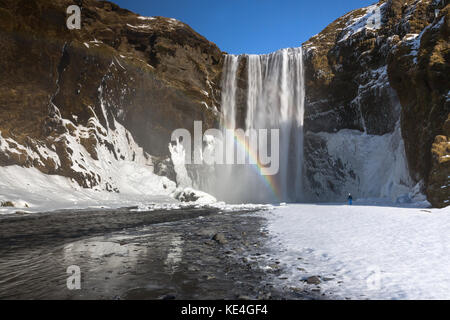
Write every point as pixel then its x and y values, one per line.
pixel 250 26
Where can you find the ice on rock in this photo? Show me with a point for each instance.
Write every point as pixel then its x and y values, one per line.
pixel 370 166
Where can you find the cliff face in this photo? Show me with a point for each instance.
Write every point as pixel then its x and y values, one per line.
pixel 77 102
pixel 72 102
pixel 374 71
pixel 419 70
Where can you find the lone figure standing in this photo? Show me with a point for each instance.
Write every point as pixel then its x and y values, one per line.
pixel 350 199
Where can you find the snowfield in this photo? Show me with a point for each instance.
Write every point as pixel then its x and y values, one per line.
pixel 32 191
pixel 364 252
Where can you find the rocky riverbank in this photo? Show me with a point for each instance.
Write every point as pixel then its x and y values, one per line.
pixel 124 254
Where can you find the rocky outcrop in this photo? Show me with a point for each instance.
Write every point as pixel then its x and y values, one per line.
pixel 364 73
pixel 439 178
pixel 419 70
pixel 76 100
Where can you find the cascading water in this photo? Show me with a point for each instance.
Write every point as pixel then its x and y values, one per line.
pixel 268 92
pixel 273 99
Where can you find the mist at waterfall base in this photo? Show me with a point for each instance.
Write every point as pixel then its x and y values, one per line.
pixel 273 99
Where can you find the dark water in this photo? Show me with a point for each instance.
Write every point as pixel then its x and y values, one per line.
pixel 135 255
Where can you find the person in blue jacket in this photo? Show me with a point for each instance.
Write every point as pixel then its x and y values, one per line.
pixel 350 199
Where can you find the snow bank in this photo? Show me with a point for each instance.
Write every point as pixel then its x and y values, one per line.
pixel 221 206
pixel 32 191
pixel 191 195
pixel 365 252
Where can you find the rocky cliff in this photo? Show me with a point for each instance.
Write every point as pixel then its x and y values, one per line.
pixel 374 76
pixel 76 102
pixel 73 102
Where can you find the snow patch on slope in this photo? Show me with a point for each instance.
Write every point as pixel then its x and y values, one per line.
pixel 141 26
pixel 146 18
pixel 371 19
pixel 413 40
pixel 41 152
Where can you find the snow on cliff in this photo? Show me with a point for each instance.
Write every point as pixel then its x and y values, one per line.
pixel 370 19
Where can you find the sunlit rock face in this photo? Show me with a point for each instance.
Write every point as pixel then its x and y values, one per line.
pixel 419 70
pixel 375 71
pixel 75 101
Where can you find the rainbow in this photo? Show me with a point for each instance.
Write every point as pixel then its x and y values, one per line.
pixel 269 181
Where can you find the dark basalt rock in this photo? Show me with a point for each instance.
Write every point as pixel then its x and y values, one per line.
pixel 220 238
pixel 313 280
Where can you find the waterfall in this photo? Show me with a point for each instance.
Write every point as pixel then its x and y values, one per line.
pixel 272 99
pixel 229 86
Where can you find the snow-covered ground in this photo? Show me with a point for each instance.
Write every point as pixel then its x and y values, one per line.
pixel 32 191
pixel 363 251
